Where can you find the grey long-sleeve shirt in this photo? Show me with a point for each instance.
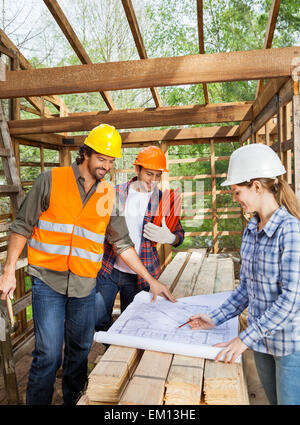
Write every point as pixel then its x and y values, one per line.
pixel 36 202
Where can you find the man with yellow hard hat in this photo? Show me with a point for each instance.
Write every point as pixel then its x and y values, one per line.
pixel 138 199
pixel 64 218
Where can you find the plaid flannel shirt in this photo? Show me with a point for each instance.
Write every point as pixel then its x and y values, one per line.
pixel 148 252
pixel 269 286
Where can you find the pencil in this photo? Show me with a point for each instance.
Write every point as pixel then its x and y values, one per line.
pixel 189 321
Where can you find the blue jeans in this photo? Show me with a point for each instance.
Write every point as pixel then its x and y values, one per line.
pixel 106 292
pixel 280 377
pixel 58 319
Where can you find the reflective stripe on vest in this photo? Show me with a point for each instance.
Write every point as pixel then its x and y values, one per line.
pixel 65 250
pixel 68 228
pixel 49 248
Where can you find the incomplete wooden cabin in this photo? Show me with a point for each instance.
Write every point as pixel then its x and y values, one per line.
pixel 273 118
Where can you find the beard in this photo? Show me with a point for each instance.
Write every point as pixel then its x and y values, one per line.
pixel 94 172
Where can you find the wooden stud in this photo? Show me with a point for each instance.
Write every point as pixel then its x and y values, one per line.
pixel 214 196
pixel 296 135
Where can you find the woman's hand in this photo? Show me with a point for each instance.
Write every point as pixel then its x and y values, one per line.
pixel 201 321
pixel 232 350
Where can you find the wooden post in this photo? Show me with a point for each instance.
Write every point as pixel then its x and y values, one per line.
pixel 165 184
pixel 14 104
pixel 286 135
pixel 7 362
pixel 296 134
pixel 64 157
pixel 280 114
pixel 214 196
pixel 268 127
pixel 42 157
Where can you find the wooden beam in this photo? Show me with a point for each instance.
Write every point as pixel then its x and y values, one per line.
pixel 201 41
pixel 156 72
pixel 274 10
pixel 72 38
pixel 25 64
pixel 138 39
pixel 137 118
pixel 279 100
pixel 174 136
pixel 263 99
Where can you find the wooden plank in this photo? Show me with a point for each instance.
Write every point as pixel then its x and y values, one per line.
pixel 174 270
pixel 156 72
pixel 279 99
pixel 225 275
pixel 152 136
pixel 257 395
pixel 188 279
pixel 21 303
pixel 224 384
pixel 135 118
pixel 110 376
pixel 147 385
pixel 269 91
pixel 206 279
pixel 184 383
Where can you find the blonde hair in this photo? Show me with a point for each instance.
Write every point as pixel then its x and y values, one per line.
pixel 282 192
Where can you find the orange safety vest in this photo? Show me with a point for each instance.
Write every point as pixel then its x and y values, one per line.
pixel 69 236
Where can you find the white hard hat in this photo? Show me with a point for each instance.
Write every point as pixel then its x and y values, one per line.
pixel 251 162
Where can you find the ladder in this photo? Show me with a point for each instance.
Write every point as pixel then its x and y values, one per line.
pixel 13 189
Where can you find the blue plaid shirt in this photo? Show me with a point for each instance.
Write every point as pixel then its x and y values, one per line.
pixel 269 286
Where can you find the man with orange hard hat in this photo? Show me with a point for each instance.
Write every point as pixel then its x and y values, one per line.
pixel 64 218
pixel 139 199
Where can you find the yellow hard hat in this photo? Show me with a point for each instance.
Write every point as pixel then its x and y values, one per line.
pixel 105 139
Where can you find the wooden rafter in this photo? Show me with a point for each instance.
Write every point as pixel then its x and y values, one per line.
pixel 274 10
pixel 25 65
pixel 78 48
pixel 201 41
pixel 268 92
pixel 138 39
pixel 137 118
pixel 193 134
pixel 193 69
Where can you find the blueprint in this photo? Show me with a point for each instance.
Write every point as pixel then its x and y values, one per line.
pixel 154 326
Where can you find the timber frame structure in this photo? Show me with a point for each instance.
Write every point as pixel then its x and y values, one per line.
pixel 272 118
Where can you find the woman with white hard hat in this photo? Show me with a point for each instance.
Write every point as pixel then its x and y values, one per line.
pixel 270 274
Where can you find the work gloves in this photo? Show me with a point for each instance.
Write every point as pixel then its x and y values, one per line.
pixel 159 234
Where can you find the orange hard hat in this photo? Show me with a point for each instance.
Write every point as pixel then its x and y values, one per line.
pixel 152 157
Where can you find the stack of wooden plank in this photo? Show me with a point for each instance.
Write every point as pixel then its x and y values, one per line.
pixel 156 378
pixel 147 385
pixel 184 382
pixel 110 376
pixel 224 384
